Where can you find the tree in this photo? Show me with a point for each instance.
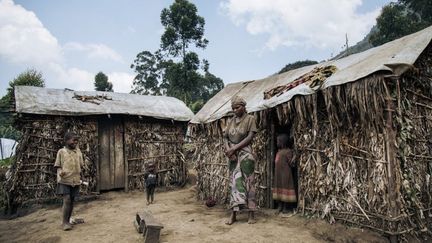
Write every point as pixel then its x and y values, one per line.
pixel 211 85
pixel 421 7
pixel 29 77
pixel 174 69
pixel 296 65
pixel 401 18
pixel 183 26
pixel 101 83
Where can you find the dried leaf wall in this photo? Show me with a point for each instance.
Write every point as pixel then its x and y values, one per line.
pixel 364 151
pixel 34 177
pixel 212 165
pixel 157 143
pixel 33 174
pixel 412 96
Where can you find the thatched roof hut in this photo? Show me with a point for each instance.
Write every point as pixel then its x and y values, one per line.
pixel 361 127
pixel 119 134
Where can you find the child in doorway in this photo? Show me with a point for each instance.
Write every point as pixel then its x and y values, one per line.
pixel 68 163
pixel 284 189
pixel 151 178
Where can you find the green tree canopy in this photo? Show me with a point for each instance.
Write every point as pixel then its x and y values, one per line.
pixel 295 65
pixel 29 77
pixel 421 7
pixel 183 26
pixel 174 69
pixel 401 18
pixel 101 83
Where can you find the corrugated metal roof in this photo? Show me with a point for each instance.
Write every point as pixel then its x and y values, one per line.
pixel 36 100
pixel 393 57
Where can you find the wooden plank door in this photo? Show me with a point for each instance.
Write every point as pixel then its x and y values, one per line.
pixel 111 154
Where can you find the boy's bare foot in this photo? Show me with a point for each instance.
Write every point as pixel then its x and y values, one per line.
pixel 251 218
pixel 251 221
pixel 288 214
pixel 67 227
pixel 148 203
pixel 230 221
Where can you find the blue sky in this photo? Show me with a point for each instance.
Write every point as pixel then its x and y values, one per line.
pixel 70 41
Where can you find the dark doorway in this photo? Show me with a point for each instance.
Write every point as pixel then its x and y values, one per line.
pixel 111 154
pixel 285 129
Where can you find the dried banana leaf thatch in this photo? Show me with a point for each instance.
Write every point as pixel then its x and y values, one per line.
pixel 211 163
pixel 351 168
pixel 314 78
pixel 364 151
pixel 413 119
pixel 160 144
pixel 33 175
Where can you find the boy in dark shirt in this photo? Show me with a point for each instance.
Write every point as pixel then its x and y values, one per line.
pixel 151 178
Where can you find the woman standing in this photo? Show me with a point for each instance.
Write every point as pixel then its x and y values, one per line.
pixel 239 134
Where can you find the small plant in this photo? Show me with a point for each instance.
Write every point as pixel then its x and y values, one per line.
pixel 6 162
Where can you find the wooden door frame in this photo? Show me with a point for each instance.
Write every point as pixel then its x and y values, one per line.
pixel 122 131
pixel 270 163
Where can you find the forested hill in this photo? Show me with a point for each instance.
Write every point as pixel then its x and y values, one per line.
pixel 397 19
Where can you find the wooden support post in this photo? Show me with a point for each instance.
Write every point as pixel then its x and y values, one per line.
pixel 125 156
pixel 270 159
pixel 98 150
pixel 390 137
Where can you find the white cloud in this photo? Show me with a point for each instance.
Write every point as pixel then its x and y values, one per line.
pixel 78 79
pixel 23 38
pixel 25 41
pixel 100 51
pixel 303 23
pixel 122 82
pixel 72 78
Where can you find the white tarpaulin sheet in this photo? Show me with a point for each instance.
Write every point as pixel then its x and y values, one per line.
pixel 393 58
pixel 35 100
pixel 7 148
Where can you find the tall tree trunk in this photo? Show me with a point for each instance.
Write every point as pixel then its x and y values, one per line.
pixel 185 72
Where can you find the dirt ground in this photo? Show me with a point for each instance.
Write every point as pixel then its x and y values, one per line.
pixel 109 219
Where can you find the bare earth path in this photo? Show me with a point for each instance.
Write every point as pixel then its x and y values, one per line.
pixel 109 219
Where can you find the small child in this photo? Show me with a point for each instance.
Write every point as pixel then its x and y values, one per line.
pixel 151 178
pixel 283 185
pixel 68 163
